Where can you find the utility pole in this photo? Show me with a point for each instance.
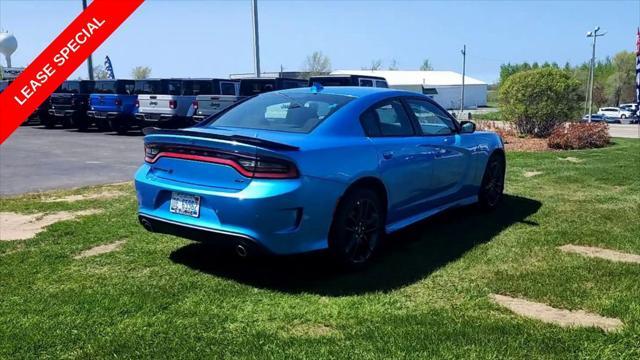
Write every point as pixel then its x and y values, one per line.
pixel 594 34
pixel 89 59
pixel 256 40
pixel 464 68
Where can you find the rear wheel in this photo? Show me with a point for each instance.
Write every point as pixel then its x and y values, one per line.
pixel 492 187
pixel 357 229
pixel 50 122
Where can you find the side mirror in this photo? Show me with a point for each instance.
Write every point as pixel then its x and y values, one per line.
pixel 467 127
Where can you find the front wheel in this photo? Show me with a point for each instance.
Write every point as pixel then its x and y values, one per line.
pixel 492 187
pixel 357 229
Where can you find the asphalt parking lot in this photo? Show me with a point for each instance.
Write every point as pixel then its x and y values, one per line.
pixel 36 159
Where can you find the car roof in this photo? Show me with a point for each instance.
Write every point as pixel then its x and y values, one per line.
pixel 354 91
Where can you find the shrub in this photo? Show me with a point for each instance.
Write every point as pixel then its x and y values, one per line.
pixel 572 136
pixel 538 100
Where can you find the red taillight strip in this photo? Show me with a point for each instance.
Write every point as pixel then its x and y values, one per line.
pixel 293 173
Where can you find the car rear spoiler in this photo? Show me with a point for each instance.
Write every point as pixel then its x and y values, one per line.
pixel 238 138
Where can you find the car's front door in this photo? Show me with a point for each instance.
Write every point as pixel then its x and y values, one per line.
pixel 451 161
pixel 405 166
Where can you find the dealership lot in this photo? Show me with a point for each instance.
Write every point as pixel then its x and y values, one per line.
pixel 35 159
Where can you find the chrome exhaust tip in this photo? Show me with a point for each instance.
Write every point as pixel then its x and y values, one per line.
pixel 241 250
pixel 146 224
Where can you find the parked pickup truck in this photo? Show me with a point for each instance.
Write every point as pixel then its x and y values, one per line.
pixel 222 95
pixel 207 105
pixel 349 80
pixel 69 104
pixel 171 106
pixel 113 103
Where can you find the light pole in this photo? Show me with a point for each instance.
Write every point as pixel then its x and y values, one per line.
pixel 594 34
pixel 256 41
pixel 89 59
pixel 464 68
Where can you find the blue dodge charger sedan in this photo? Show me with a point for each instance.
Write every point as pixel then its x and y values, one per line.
pixel 316 168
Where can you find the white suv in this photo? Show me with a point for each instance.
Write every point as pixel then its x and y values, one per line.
pixel 614 112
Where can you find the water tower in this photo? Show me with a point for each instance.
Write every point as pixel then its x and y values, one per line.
pixel 8 45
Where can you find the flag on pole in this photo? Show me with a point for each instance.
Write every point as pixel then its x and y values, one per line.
pixel 108 67
pixel 638 72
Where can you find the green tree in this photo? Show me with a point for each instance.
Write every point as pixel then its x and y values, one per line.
pixel 538 100
pixel 620 85
pixel 426 65
pixel 140 72
pixel 317 64
pixel 99 73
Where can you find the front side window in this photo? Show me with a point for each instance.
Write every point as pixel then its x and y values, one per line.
pixel 387 119
pixel 432 120
pixel 277 111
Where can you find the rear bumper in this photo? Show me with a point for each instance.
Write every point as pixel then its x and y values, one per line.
pixel 109 115
pixel 280 216
pixel 201 234
pixel 159 120
pixel 62 113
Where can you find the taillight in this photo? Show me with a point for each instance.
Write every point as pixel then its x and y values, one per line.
pixel 118 102
pixel 173 104
pixel 251 166
pixel 137 103
pixel 195 104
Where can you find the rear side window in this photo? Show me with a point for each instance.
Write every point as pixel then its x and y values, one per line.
pixel 387 119
pixel 381 84
pixel 277 111
pixel 366 82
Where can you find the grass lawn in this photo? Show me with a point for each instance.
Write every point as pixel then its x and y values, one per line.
pixel 426 297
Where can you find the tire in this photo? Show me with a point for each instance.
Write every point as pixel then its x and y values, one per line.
pixel 50 122
pixel 103 125
pixel 67 122
pixel 623 116
pixel 492 186
pixel 357 230
pixel 120 128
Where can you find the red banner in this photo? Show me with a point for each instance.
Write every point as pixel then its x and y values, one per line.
pixel 60 59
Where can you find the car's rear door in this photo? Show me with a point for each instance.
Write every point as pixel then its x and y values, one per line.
pixel 451 161
pixel 405 167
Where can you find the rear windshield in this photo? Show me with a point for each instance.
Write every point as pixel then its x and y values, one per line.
pixel 69 87
pixel 277 111
pixel 197 87
pixel 330 81
pixel 255 87
pixel 114 87
pixel 148 87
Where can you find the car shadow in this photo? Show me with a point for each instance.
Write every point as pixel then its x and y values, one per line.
pixel 409 256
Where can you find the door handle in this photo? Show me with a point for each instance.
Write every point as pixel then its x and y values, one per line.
pixel 387 155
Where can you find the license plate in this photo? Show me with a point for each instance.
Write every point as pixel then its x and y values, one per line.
pixel 59 112
pixel 184 204
pixel 99 114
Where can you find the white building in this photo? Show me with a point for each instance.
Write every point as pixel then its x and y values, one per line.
pixel 442 86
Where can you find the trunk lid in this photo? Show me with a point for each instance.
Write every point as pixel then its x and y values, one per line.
pixel 104 102
pixel 194 144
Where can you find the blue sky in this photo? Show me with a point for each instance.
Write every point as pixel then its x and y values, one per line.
pixel 213 38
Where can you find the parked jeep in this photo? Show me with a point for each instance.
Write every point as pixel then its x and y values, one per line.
pixel 172 105
pixel 122 124
pixel 222 95
pixel 113 104
pixel 69 104
pixel 207 105
pixel 349 80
